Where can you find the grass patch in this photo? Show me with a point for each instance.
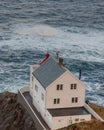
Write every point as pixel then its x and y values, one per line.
pixel 98 109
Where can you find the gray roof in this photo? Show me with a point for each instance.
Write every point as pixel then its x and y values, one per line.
pixel 68 111
pixel 48 72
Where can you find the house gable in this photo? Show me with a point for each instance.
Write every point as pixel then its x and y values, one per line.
pixel 64 96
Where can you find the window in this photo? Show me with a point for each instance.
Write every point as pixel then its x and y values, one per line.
pixel 60 87
pixel 36 88
pixel 56 101
pixel 42 96
pixel 73 86
pixel 32 83
pixel 32 86
pixel 77 119
pixel 32 78
pixel 70 122
pixel 82 120
pixel 74 99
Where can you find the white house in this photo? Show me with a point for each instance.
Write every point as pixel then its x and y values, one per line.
pixel 57 94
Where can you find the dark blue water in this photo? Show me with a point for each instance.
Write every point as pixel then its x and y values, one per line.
pixel 31 28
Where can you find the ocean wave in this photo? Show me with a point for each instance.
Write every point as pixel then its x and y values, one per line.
pixel 30 29
pixel 46 38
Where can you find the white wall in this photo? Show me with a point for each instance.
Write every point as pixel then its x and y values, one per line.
pixel 66 94
pixel 48 118
pixel 37 97
pixel 64 121
pixel 32 69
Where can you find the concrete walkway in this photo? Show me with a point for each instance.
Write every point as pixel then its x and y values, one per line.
pixel 25 100
pixel 29 99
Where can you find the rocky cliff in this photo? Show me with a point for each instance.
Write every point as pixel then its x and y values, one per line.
pixel 14 117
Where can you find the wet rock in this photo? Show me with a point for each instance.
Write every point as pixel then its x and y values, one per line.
pixel 12 115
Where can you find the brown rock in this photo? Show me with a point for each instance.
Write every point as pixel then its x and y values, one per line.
pixel 12 115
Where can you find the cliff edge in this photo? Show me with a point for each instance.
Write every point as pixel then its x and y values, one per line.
pixel 14 117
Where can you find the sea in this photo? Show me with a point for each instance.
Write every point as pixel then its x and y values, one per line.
pixel 31 28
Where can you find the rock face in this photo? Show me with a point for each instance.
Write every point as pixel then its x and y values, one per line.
pixel 12 115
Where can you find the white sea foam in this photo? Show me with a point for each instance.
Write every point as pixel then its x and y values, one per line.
pixel 84 46
pixel 41 30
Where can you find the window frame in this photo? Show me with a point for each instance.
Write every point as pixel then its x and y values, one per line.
pixel 42 96
pixel 59 87
pixel 73 86
pixel 74 100
pixel 77 120
pixel 36 88
pixel 56 101
pixel 32 78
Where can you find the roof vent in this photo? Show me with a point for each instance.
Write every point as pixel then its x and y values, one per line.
pixel 61 61
pixel 57 55
pixel 46 58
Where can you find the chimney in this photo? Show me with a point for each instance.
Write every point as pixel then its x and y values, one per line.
pixel 80 73
pixel 57 55
pixel 61 62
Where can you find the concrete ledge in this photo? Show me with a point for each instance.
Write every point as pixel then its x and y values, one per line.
pixel 25 100
pixel 24 89
pixel 22 100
